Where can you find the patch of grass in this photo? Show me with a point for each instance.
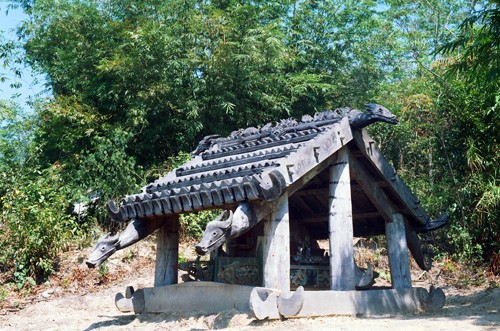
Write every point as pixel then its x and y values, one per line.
pixel 129 256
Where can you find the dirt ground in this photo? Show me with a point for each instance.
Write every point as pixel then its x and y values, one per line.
pixel 84 300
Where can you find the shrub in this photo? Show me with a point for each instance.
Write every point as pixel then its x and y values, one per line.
pixel 34 225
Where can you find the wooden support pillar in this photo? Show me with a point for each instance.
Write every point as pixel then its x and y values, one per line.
pixel 340 225
pixel 276 247
pixel 398 252
pixel 167 253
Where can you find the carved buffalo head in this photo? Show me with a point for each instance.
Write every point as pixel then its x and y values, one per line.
pixel 380 113
pixel 105 247
pixel 215 233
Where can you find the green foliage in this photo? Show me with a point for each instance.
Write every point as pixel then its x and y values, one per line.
pixel 475 51
pixel 136 83
pixel 193 225
pixel 172 72
pixel 16 131
pixel 103 274
pixel 432 151
pixel 34 225
pixel 446 149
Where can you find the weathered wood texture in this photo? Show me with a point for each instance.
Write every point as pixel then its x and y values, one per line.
pixel 415 246
pixel 264 303
pixel 205 297
pixel 133 303
pixel 367 303
pixel 276 247
pixel 372 189
pixel 270 303
pixel 167 254
pixel 369 149
pixel 386 208
pixel 291 305
pixel 398 253
pixel 300 167
pixel 340 227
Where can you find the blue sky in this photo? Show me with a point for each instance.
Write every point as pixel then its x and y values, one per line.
pixel 8 24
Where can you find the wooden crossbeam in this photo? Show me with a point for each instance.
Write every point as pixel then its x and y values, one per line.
pixel 324 190
pixel 369 149
pixel 374 192
pixel 324 218
pixel 212 298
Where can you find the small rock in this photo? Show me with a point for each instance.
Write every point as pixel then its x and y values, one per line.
pixel 46 294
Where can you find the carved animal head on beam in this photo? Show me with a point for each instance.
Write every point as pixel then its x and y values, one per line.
pixel 215 233
pixel 381 113
pixel 374 113
pixel 105 247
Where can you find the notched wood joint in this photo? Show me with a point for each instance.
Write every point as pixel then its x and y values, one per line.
pixel 316 153
pixel 289 168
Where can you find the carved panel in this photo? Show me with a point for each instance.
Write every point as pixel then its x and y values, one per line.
pixel 309 276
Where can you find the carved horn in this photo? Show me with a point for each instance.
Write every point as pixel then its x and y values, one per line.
pixel 229 220
pixel 116 236
pixel 272 190
pixel 114 212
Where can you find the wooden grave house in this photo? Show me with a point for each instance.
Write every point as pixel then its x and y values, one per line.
pixel 286 186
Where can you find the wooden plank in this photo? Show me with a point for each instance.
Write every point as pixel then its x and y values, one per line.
pixel 398 252
pixel 167 253
pixel 323 218
pixel 265 302
pixel 203 297
pixel 340 225
pixel 386 209
pixel 276 247
pixel 415 246
pixel 323 201
pixel 355 303
pixel 372 153
pixel 367 303
pixel 315 156
pixel 312 191
pixel 372 189
pixel 303 206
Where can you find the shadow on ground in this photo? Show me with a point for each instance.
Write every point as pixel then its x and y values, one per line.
pixel 112 321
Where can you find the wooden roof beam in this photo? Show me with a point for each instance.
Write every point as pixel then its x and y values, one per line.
pixel 389 211
pixel 373 191
pixel 324 218
pixel 315 156
pixel 369 149
pixel 324 190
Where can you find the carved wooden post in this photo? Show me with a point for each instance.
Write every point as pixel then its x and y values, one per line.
pixel 276 247
pixel 167 253
pixel 340 225
pixel 398 252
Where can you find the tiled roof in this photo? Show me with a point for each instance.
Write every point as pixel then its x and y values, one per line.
pixel 260 164
pixel 247 165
